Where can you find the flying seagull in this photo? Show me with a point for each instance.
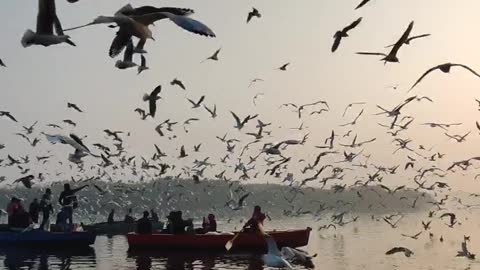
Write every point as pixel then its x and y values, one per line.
pixel 344 33
pixel 8 114
pixel 284 67
pixel 214 56
pixel 178 83
pixel 407 42
pixel 143 64
pixel 253 13
pixel 26 181
pixel 47 21
pixel 392 55
pixel 152 100
pixel 405 251
pixel 73 106
pixel 363 3
pixel 136 22
pixel 445 68
pixel 198 103
pixel 2 63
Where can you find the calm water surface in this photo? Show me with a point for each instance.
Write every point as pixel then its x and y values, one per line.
pixel 359 245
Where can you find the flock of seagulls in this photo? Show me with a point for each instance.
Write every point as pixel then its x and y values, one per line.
pixel 253 153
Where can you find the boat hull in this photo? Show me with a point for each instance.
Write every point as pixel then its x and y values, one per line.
pixel 45 239
pixel 245 241
pixel 117 228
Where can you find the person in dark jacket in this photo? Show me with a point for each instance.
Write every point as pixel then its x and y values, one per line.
pixel 68 200
pixel 46 208
pixel 34 210
pixel 144 225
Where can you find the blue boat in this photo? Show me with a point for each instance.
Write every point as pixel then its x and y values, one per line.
pixel 45 239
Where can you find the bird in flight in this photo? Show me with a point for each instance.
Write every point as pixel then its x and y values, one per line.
pixel 73 106
pixel 152 100
pixel 127 61
pixel 143 65
pixel 445 68
pixel 344 33
pixel 214 56
pixel 392 55
pixel 47 22
pixel 363 3
pixel 284 67
pixel 405 251
pixel 2 63
pixel 9 115
pixel 253 13
pixel 407 42
pixel 136 21
pixel 198 103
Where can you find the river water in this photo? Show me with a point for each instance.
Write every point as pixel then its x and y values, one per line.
pixel 358 245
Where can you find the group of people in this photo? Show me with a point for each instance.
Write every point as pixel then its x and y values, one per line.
pixel 20 219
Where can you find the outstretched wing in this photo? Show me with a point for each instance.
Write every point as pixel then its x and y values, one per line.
pixel 423 76
pixel 352 25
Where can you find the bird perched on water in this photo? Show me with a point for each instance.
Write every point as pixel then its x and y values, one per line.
pixel 47 21
pixel 392 55
pixel 344 33
pixel 152 100
pixel 136 21
pixel 445 68
pixel 253 13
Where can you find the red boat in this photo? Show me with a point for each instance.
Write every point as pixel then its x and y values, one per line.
pixel 245 241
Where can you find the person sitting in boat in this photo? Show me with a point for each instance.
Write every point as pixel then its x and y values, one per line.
pixel 34 210
pixel 61 221
pixel 110 217
pixel 209 224
pixel 256 220
pixel 21 219
pixel 176 224
pixel 69 201
pixel 12 209
pixel 128 217
pixel 154 217
pixel 144 225
pixel 46 208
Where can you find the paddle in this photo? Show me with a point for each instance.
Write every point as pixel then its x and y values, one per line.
pixel 229 244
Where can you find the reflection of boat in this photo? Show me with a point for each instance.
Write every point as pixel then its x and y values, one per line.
pixel 118 227
pixel 46 239
pixel 245 241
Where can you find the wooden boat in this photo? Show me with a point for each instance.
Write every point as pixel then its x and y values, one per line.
pixel 118 227
pixel 217 241
pixel 45 239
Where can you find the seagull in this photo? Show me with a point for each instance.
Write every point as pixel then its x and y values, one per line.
pixel 26 181
pixel 29 130
pixel 392 55
pixel 73 106
pixel 239 124
pixel 183 154
pixel 136 22
pixel 178 83
pixel 213 112
pixel 344 33
pixel 127 61
pixel 284 67
pixel 198 103
pixel 70 122
pixel 253 13
pixel 2 63
pixel 445 68
pixel 465 252
pixel 80 149
pixel 363 3
pixel 47 21
pixel 143 64
pixel 394 250
pixel 152 100
pixel 8 114
pixel 407 42
pixel 214 56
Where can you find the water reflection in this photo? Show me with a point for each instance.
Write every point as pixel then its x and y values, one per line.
pixel 27 258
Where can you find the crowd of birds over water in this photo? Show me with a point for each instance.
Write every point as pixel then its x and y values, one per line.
pixel 251 150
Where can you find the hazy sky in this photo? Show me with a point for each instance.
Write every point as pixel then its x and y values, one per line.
pixel 40 81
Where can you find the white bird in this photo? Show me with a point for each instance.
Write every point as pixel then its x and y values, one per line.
pixel 47 21
pixel 80 149
pixel 298 256
pixel 274 258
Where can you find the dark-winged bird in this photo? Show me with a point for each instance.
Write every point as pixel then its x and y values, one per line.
pixel 344 33
pixel 253 13
pixel 152 100
pixel 445 68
